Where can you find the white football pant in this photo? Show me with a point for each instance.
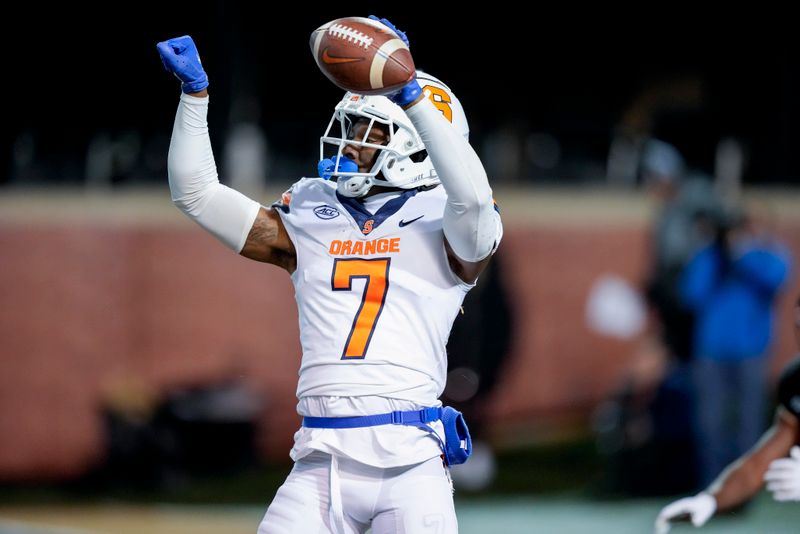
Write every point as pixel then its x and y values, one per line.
pixel 352 497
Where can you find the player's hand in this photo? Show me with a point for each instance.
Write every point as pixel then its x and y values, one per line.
pixel 697 509
pixel 407 95
pixel 410 92
pixel 783 477
pixel 401 35
pixel 180 57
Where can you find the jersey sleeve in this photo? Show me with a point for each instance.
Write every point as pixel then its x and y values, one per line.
pixel 284 205
pixel 789 387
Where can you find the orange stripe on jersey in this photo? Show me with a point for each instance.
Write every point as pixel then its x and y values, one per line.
pixel 376 273
pixel 364 248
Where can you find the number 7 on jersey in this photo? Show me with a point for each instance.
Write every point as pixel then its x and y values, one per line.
pixel 376 274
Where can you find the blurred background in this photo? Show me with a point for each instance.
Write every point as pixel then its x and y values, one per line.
pixel 141 363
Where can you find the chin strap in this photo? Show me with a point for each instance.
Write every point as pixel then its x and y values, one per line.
pixel 354 186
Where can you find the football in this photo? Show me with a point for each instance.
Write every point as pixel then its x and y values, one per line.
pixel 362 55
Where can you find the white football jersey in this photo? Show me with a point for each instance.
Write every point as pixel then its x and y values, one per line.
pixel 375 294
pixel 376 300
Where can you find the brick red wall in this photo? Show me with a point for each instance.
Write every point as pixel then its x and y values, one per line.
pixel 86 306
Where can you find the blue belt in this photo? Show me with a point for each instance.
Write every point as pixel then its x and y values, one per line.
pixel 412 418
pixel 457 447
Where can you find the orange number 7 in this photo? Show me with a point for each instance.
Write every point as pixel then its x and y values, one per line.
pixel 376 273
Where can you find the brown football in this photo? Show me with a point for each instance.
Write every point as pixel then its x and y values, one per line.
pixel 362 55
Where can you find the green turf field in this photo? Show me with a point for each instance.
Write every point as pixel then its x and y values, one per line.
pixel 558 515
pixel 549 489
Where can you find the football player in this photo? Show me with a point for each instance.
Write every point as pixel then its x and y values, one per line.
pixel 775 459
pixel 381 249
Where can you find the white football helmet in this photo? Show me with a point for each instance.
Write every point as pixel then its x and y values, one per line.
pixel 403 161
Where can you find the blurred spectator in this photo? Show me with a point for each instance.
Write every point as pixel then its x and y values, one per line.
pixel 688 206
pixel 651 419
pixel 731 284
pixel 646 428
pixel 644 431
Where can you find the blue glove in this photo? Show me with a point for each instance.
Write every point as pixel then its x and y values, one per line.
pixel 407 94
pixel 327 167
pixel 180 57
pixel 392 27
pixel 410 92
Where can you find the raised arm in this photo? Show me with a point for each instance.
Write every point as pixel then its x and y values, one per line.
pixel 242 224
pixel 471 225
pixel 472 228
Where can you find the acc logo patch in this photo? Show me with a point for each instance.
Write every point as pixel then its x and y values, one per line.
pixel 326 212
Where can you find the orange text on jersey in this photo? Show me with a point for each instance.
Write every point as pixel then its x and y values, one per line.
pixel 364 248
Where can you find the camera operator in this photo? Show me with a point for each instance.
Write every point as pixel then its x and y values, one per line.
pixel 731 284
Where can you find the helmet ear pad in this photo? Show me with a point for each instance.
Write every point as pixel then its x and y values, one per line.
pixel 406 164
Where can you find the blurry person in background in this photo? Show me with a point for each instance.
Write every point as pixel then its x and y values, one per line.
pixel 686 208
pixel 642 430
pixel 687 205
pixel 731 284
pixel 775 460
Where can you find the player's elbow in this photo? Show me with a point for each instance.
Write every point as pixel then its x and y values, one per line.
pixel 475 203
pixel 472 201
pixel 187 206
pixel 471 234
pixel 191 188
pixel 481 204
pixel 481 201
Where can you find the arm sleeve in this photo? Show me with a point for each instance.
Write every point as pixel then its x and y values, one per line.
pixel 471 224
pixel 193 182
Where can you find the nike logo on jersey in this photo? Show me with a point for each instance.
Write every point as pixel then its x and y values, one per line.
pixel 332 60
pixel 406 223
